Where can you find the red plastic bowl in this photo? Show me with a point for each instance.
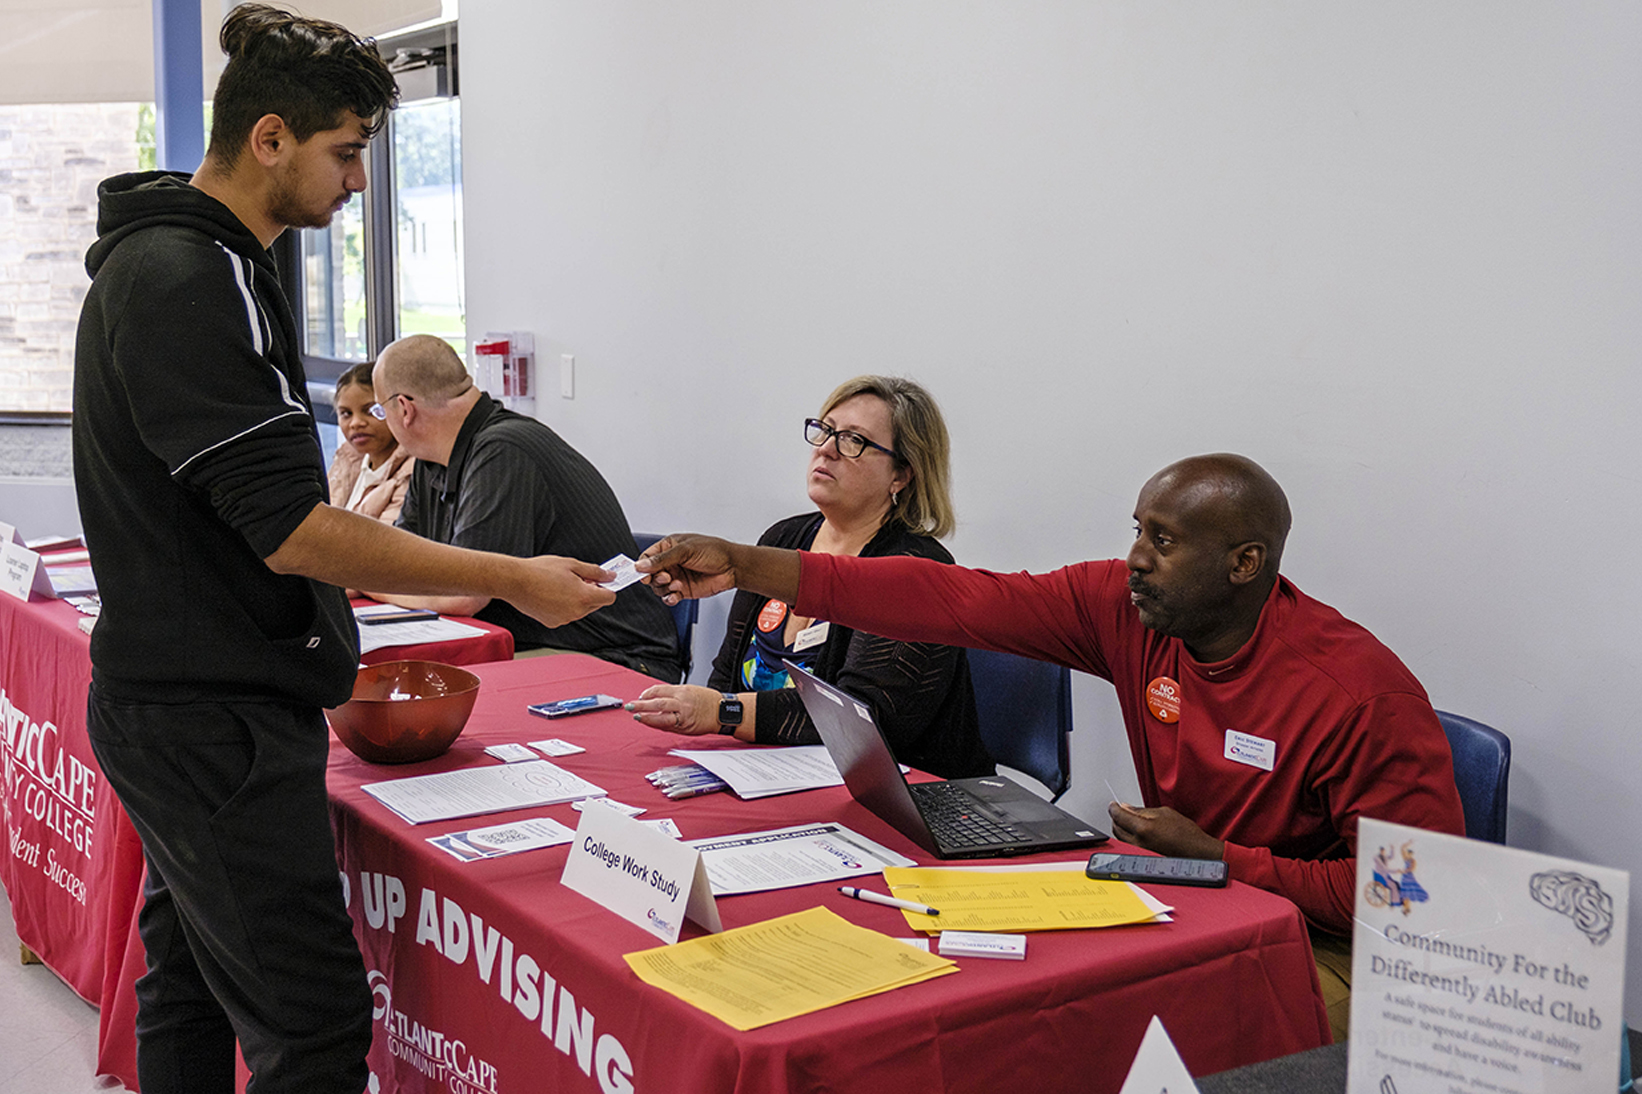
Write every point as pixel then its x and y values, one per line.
pixel 405 711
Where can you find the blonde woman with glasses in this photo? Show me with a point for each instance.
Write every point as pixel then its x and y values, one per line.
pixel 878 476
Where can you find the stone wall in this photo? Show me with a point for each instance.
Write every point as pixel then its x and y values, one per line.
pixel 51 159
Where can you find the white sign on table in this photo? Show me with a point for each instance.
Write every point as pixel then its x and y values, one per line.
pixel 24 569
pixel 1158 1068
pixel 643 876
pixel 21 572
pixel 1477 967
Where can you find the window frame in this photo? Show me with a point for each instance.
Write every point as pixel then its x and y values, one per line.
pixel 381 245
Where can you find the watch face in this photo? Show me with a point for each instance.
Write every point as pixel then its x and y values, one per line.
pixel 729 711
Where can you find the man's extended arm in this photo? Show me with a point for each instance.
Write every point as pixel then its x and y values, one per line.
pixel 689 567
pixel 1042 616
pixel 346 549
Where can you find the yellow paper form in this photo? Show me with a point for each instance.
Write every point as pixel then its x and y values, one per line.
pixel 781 968
pixel 981 900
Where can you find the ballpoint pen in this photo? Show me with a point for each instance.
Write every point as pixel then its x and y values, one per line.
pixel 679 771
pixel 888 901
pixel 689 780
pixel 693 791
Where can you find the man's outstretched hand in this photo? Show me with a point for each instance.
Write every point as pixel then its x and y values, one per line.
pixel 561 590
pixel 688 567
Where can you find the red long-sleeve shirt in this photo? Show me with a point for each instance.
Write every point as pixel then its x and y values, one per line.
pixel 1347 729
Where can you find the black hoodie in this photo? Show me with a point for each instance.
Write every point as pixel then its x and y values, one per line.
pixel 195 456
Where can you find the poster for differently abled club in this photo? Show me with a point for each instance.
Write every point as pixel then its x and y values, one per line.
pixel 1481 968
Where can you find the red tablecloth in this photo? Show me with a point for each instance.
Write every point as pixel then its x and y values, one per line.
pixel 492 976
pixel 73 866
pixel 495 644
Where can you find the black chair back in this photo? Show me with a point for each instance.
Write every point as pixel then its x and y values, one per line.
pixel 1025 710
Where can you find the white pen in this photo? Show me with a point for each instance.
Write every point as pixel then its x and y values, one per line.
pixel 888 901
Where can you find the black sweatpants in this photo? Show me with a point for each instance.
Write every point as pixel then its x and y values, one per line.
pixel 243 919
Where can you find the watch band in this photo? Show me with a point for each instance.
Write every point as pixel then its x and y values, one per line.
pixel 729 713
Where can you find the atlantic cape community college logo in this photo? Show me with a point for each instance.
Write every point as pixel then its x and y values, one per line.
pixel 1393 886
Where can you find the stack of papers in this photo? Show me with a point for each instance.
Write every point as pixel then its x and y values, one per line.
pixel 797 964
pixel 69 571
pixel 756 862
pixel 1017 900
pixel 765 772
pixel 412 633
pixel 475 790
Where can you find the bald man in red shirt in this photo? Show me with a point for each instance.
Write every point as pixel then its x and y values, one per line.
pixel 1263 723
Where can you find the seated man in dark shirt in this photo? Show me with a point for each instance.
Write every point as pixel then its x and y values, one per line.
pixel 490 479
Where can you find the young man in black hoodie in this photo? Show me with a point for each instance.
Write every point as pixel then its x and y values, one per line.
pixel 224 629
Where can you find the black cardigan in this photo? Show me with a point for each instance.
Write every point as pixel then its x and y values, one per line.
pixel 920 692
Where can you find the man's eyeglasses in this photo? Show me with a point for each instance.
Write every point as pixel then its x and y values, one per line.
pixel 379 411
pixel 850 443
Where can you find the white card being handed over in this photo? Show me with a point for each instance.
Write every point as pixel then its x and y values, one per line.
pixel 622 567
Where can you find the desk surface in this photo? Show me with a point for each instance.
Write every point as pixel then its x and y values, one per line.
pixel 466 954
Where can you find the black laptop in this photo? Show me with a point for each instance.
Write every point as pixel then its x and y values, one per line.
pixel 986 817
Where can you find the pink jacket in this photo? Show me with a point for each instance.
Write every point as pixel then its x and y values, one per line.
pixel 382 501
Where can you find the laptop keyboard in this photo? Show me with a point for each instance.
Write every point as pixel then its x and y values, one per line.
pixel 954 821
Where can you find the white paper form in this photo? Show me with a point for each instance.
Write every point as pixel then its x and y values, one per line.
pixel 503 839
pixel 764 772
pixel 756 862
pixel 414 633
pixel 475 790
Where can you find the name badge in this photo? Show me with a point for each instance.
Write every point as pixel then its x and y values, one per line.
pixel 811 636
pixel 1245 748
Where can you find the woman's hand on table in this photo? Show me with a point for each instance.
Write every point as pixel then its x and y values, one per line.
pixel 685 709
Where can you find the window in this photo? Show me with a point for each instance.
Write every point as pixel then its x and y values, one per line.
pixel 333 288
pixel 390 264
pixel 54 156
pixel 427 171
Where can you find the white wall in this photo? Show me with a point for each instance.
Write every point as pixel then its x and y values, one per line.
pixel 1390 250
pixel 39 507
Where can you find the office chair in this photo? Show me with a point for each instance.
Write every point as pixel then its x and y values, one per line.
pixel 1025 710
pixel 685 613
pixel 1482 772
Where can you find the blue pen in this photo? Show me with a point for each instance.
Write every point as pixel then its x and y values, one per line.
pixel 686 787
pixel 688 777
pixel 692 791
pixel 577 704
pixel 677 771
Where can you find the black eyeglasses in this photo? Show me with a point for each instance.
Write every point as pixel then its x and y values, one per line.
pixel 379 411
pixel 849 442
